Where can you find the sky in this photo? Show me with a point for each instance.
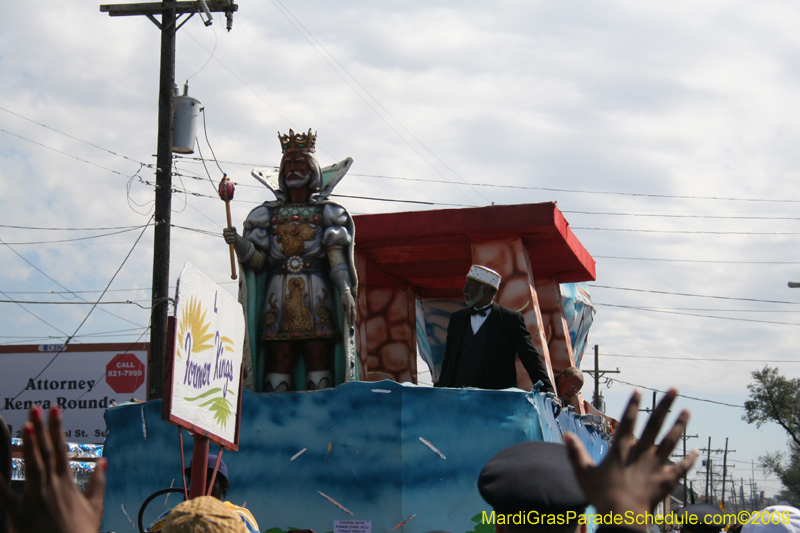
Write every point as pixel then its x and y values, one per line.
pixel 665 132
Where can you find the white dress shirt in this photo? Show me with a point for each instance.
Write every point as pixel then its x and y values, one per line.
pixel 478 320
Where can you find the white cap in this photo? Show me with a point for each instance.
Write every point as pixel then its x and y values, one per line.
pixel 485 275
pixel 774 519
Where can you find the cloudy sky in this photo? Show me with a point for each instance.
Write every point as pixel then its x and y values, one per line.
pixel 666 132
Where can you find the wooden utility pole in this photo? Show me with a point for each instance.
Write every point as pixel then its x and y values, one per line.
pixel 597 374
pixel 684 438
pixel 708 470
pixel 724 470
pixel 170 13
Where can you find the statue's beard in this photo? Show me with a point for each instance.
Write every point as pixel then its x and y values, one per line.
pixel 477 298
pixel 296 180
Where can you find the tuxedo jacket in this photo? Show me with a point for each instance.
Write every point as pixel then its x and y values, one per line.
pixel 507 338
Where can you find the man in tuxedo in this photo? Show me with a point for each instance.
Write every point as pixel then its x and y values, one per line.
pixel 484 340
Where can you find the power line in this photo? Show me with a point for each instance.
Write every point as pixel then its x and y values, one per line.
pixel 69 338
pixel 36 316
pixel 611 380
pixel 699 260
pixel 75 292
pixel 694 295
pixel 580 191
pixel 716 310
pixel 550 189
pixel 34 302
pixel 72 156
pixel 129 331
pixel 284 10
pixel 660 215
pixel 73 137
pixel 703 360
pixel 637 308
pixel 77 238
pixel 70 229
pixel 696 232
pixel 42 272
pixel 371 198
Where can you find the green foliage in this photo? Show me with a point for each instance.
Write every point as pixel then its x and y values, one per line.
pixel 789 474
pixel 480 527
pixel 220 406
pixel 774 398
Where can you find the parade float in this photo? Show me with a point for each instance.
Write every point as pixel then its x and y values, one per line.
pixel 380 453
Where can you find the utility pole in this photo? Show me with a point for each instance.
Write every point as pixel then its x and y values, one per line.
pixel 597 403
pixel 708 469
pixel 684 438
pixel 170 14
pixel 724 470
pixel 741 495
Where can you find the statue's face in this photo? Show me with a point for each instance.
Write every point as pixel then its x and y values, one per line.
pixel 296 170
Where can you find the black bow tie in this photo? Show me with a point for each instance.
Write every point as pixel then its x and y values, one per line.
pixel 481 312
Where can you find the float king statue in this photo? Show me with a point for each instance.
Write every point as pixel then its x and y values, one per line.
pixel 299 284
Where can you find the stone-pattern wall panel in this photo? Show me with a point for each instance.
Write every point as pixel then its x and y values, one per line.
pixel 558 340
pixel 391 341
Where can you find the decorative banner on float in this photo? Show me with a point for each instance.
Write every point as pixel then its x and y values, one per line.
pixel 82 379
pixel 205 375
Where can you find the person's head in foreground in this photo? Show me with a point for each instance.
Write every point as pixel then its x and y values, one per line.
pixel 221 483
pixel 701 518
pixel 205 514
pixel 774 519
pixel 568 384
pixel 533 476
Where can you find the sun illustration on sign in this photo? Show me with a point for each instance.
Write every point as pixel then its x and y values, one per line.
pixel 193 330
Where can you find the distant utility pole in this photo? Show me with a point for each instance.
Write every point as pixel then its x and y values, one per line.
pixel 725 468
pixel 170 13
pixel 597 403
pixel 708 469
pixel 710 473
pixel 684 438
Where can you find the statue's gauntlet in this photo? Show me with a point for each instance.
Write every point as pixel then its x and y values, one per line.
pixel 340 269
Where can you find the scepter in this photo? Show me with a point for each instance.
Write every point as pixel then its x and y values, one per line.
pixel 226 193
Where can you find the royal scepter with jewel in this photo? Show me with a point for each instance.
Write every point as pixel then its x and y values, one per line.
pixel 226 193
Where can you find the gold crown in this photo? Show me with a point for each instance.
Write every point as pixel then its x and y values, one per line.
pixel 304 142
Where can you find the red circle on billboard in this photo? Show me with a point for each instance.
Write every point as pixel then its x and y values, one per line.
pixel 125 373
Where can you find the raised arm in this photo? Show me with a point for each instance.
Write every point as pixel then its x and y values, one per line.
pixel 635 475
pixel 51 502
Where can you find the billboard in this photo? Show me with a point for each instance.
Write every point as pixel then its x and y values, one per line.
pixel 83 379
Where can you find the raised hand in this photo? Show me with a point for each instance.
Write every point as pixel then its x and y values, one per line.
pixel 51 502
pixel 635 475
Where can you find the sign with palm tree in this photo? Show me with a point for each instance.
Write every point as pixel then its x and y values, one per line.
pixel 204 392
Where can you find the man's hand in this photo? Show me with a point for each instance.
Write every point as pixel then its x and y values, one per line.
pixel 51 502
pixel 635 475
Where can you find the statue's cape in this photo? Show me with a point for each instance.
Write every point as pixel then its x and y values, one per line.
pixel 253 285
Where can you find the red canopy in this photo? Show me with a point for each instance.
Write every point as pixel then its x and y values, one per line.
pixel 431 251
